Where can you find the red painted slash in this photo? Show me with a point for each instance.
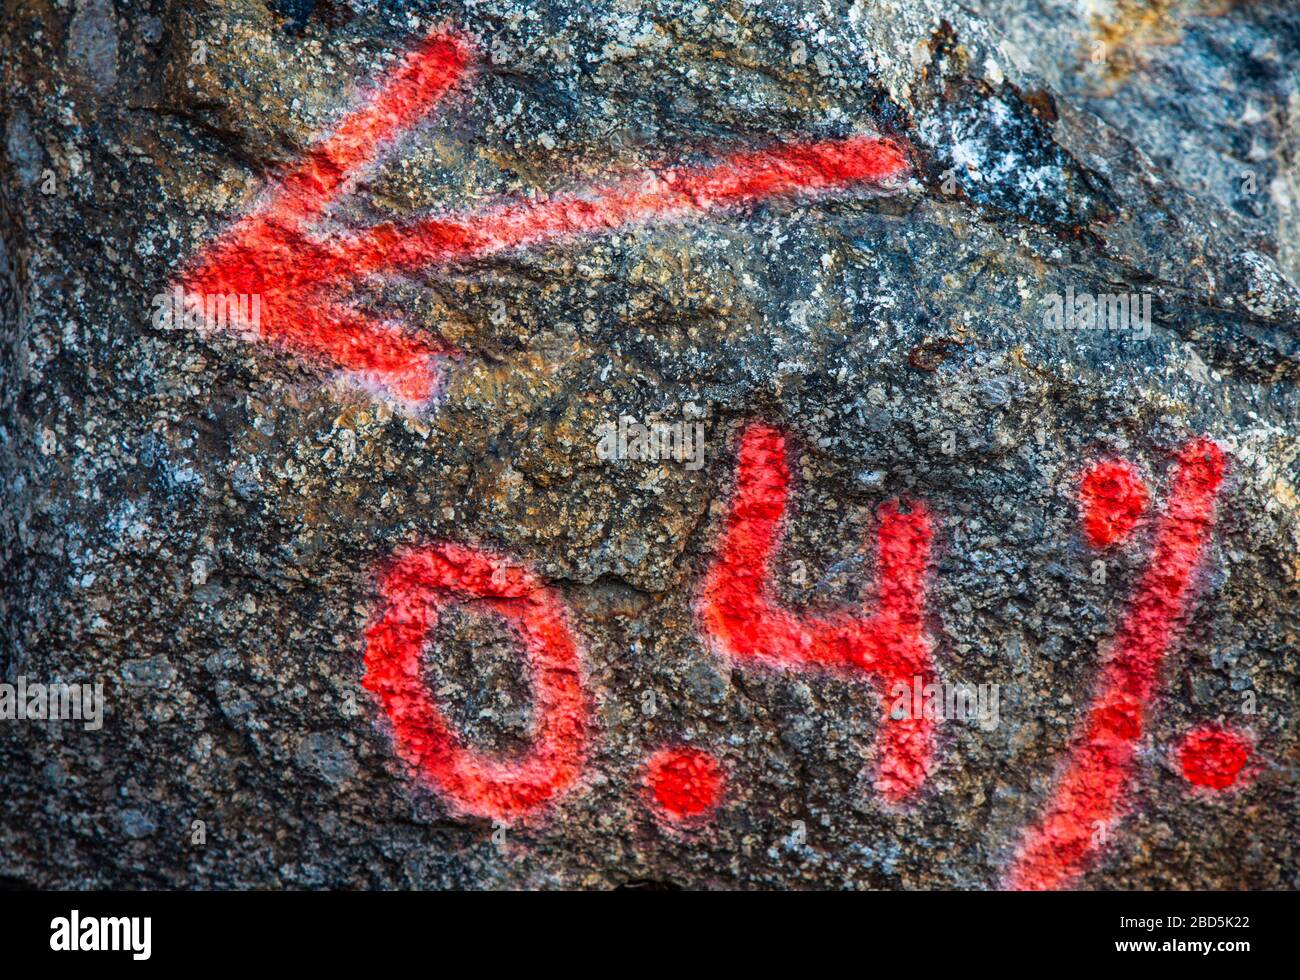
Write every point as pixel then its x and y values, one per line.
pixel 1089 795
pixel 737 612
pixel 415 588
pixel 303 280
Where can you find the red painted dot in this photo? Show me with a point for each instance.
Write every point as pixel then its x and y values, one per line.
pixel 1213 756
pixel 1112 497
pixel 686 783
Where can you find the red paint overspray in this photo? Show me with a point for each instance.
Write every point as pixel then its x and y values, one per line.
pixel 739 617
pixel 416 586
pixel 1112 497
pixel 1089 794
pixel 302 280
pixel 686 784
pixel 1212 756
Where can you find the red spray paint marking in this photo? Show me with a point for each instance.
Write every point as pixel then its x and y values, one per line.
pixel 415 588
pixel 1089 794
pixel 1213 756
pixel 1112 497
pixel 686 784
pixel 737 612
pixel 270 252
pixel 302 279
pixel 666 195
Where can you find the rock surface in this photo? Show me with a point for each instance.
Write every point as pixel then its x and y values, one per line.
pixel 201 523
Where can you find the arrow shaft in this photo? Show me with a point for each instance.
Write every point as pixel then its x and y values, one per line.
pixel 738 180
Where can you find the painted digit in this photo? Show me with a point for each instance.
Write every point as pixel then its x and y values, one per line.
pixel 415 588
pixel 742 621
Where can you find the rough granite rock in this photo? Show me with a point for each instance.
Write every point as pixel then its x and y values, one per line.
pixel 201 521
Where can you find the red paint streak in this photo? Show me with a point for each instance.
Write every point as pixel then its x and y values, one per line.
pixel 303 279
pixel 1112 497
pixel 737 612
pixel 415 588
pixel 1213 756
pixel 687 784
pixel 1089 794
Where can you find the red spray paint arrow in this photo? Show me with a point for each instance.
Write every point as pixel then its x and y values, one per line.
pixel 303 280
